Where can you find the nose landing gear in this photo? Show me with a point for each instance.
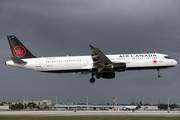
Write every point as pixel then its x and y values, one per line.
pixel 159 75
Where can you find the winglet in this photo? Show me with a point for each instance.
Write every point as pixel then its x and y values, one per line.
pixel 91 46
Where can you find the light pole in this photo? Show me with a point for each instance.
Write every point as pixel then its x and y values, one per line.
pixel 56 100
pixel 24 102
pixel 116 101
pixel 168 105
pixel 142 100
pixel 87 102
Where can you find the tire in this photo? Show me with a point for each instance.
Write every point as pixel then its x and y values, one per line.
pixel 92 80
pixel 159 75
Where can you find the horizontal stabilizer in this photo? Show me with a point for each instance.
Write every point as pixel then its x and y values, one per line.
pixel 18 61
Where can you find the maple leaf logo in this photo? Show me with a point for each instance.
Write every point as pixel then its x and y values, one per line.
pixel 19 51
pixel 154 61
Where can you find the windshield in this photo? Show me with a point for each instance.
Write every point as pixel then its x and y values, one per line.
pixel 167 57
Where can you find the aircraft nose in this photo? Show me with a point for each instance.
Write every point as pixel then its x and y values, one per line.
pixel 175 62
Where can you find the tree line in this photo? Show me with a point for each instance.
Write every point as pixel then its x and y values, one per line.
pixel 32 105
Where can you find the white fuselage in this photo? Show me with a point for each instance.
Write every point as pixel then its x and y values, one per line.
pixel 129 107
pixel 85 63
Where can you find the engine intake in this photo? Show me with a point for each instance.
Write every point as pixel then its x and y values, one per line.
pixel 108 75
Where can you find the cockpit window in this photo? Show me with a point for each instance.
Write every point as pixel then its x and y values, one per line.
pixel 167 57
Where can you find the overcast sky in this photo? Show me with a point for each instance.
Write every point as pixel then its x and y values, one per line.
pixel 68 27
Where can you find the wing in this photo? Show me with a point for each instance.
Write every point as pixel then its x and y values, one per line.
pixel 100 61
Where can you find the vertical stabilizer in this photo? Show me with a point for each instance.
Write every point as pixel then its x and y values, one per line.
pixel 18 49
pixel 139 105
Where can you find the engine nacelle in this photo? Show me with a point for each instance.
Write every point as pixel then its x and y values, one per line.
pixel 108 75
pixel 119 67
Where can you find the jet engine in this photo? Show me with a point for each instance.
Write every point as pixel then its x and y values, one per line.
pixel 119 67
pixel 108 75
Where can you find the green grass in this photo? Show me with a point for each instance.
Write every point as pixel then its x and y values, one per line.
pixel 89 118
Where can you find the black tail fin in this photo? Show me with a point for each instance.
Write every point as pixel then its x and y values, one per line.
pixel 139 105
pixel 18 49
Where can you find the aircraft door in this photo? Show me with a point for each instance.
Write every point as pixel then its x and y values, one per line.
pixel 85 61
pixel 38 63
pixel 161 58
pixel 127 60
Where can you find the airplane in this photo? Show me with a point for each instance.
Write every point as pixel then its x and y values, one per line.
pixel 97 64
pixel 132 107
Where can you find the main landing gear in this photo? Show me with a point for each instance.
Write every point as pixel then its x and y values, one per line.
pixel 159 75
pixel 92 80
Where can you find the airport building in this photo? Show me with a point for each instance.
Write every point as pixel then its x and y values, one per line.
pixel 99 107
pixel 149 108
pixel 4 107
pixel 48 104
pixel 41 104
pixel 82 107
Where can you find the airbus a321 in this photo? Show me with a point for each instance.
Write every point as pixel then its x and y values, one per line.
pixel 97 64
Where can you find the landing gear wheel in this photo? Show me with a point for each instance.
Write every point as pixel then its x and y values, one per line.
pixel 98 76
pixel 159 75
pixel 92 80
